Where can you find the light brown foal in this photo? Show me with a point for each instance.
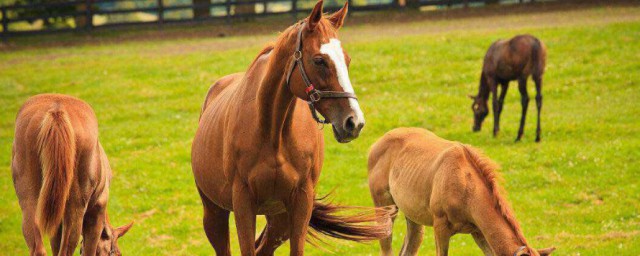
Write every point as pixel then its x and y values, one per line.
pixel 258 149
pixel 447 185
pixel 61 176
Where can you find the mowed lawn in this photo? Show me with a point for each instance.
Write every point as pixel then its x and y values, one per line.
pixel 578 190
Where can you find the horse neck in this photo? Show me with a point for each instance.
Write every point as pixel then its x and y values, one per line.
pixel 502 238
pixel 275 100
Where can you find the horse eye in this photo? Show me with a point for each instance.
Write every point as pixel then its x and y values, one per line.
pixel 319 61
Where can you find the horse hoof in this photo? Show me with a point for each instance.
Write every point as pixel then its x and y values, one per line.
pixel 537 139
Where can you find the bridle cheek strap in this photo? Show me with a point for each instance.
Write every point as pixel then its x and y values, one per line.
pixel 521 248
pixel 314 95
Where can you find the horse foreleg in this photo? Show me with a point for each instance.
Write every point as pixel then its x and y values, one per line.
pixel 442 235
pixel 72 222
pixel 244 211
pixel 482 243
pixel 496 110
pixel 92 228
pixel 538 81
pixel 274 234
pixel 503 92
pixel 524 100
pixel 412 241
pixel 300 207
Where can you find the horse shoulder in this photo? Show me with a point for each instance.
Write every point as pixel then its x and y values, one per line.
pixel 450 183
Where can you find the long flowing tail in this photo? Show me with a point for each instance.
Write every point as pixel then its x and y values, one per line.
pixel 57 147
pixel 360 227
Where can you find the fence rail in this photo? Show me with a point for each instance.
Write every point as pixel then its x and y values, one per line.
pixel 84 12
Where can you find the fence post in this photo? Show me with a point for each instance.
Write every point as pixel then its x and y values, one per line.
pixel 5 24
pixel 294 9
pixel 160 12
pixel 89 14
pixel 228 6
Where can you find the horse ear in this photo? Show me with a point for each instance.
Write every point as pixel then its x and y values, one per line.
pixel 121 231
pixel 546 251
pixel 315 16
pixel 337 19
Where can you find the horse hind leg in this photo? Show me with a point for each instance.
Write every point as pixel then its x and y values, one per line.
pixel 382 198
pixel 216 226
pixel 413 240
pixel 28 199
pixel 274 234
pixel 538 81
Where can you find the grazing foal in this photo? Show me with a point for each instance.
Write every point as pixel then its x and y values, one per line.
pixel 508 60
pixel 61 175
pixel 447 185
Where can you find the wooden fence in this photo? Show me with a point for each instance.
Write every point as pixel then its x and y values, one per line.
pixel 83 13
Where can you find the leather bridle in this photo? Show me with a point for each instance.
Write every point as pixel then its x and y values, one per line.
pixel 521 248
pixel 314 94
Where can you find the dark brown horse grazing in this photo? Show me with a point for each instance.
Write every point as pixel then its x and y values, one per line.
pixel 258 150
pixel 447 185
pixel 508 60
pixel 61 175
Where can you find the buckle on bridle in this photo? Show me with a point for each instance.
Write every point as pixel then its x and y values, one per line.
pixel 315 96
pixel 297 55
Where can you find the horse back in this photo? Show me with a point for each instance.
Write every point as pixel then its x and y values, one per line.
pixel 218 87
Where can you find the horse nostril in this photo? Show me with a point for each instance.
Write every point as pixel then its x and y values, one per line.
pixel 349 124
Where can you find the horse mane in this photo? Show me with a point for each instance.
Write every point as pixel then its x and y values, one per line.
pixel 487 170
pixel 267 49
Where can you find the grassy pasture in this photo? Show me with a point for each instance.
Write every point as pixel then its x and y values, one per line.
pixel 578 190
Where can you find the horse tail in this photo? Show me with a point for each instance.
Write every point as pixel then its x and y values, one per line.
pixel 360 227
pixel 57 149
pixel 538 57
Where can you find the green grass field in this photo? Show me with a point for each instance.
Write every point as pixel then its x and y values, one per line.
pixel 577 190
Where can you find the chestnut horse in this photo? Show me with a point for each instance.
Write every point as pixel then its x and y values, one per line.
pixel 447 185
pixel 508 60
pixel 61 176
pixel 258 150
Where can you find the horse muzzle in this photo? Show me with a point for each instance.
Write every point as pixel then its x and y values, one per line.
pixel 348 129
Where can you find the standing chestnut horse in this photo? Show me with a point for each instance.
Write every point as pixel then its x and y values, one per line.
pixel 447 185
pixel 61 175
pixel 258 151
pixel 508 60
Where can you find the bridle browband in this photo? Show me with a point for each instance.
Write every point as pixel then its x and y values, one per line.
pixel 314 94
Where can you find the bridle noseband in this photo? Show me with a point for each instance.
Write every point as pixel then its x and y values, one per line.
pixel 314 94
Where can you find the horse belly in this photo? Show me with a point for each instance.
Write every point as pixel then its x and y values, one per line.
pixel 411 196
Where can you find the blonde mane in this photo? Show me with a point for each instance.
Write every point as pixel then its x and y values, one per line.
pixel 487 170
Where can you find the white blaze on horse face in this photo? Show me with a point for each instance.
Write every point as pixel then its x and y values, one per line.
pixel 333 49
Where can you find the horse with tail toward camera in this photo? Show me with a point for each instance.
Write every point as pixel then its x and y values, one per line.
pixel 62 176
